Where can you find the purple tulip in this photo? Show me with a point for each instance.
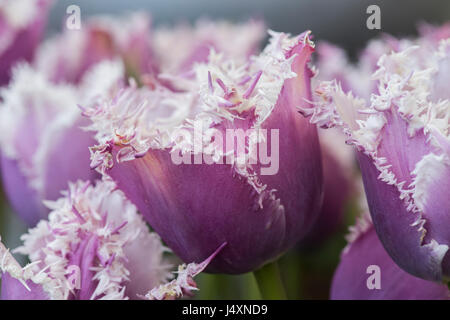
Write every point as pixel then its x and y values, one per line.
pixel 69 55
pixel 334 64
pixel 434 33
pixel 94 245
pixel 403 143
pixel 260 209
pixel 22 23
pixel 367 272
pixel 193 43
pixel 42 143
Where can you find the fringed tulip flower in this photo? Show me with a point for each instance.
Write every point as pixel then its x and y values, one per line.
pixel 166 153
pixel 94 245
pixel 333 63
pixel 367 272
pixel 69 55
pixel 403 141
pixel 434 33
pixel 22 23
pixel 193 43
pixel 42 143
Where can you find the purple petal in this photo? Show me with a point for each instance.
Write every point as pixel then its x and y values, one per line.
pixel 68 160
pixel 100 39
pixel 194 43
pixel 24 39
pixel 399 230
pixel 24 200
pixel 13 289
pixel 351 277
pixel 338 188
pixel 83 257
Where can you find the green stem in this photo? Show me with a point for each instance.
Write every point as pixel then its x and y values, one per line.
pixel 269 282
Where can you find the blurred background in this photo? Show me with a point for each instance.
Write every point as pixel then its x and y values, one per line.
pixel 342 22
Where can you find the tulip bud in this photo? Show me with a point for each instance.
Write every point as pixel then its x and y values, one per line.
pixel 403 143
pixel 168 153
pixel 43 145
pixel 367 272
pixel 22 23
pixel 93 246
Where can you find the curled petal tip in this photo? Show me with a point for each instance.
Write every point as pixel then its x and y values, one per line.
pixel 184 283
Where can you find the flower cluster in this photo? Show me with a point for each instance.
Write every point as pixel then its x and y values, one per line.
pixel 126 148
pixel 94 245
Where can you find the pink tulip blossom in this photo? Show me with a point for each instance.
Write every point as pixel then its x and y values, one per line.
pixel 43 145
pixel 22 23
pixel 198 192
pixel 402 138
pixel 94 245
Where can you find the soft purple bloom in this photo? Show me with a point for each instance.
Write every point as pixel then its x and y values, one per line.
pixel 434 33
pixel 403 140
pixel 13 289
pixel 333 63
pixel 67 56
pixel 22 23
pixel 197 207
pixel 42 143
pixel 179 47
pixel 148 55
pixel 94 245
pixel 352 279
